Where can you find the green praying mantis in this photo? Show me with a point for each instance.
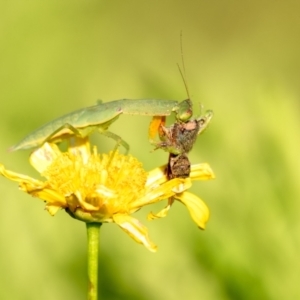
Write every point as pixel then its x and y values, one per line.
pixel 99 117
pixel 174 139
pixel 177 139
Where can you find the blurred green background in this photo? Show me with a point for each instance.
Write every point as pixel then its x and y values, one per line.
pixel 242 61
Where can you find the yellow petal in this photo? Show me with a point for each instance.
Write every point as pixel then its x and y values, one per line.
pixel 50 196
pixel 135 229
pixel 85 205
pixel 52 209
pixel 19 177
pixel 156 176
pixel 196 207
pixel 161 214
pixel 163 191
pixel 201 172
pixel 183 186
pixel 80 147
pixel 44 156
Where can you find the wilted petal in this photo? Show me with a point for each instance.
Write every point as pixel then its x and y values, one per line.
pixel 135 229
pixel 196 207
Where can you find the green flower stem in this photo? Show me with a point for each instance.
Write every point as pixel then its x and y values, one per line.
pixel 93 230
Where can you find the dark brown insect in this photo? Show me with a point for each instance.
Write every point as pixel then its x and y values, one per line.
pixel 178 166
pixel 178 139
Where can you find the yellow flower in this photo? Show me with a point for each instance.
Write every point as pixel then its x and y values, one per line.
pixel 107 187
pixel 197 208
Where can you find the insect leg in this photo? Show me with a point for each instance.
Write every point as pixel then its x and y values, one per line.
pixel 165 135
pixel 67 127
pixel 204 120
pixel 171 138
pixel 118 140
